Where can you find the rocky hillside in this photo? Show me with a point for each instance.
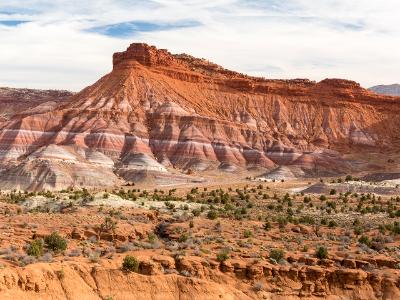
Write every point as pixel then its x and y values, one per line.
pixel 16 101
pixel 156 111
pixel 391 90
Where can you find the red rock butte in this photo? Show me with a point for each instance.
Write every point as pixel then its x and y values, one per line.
pixel 155 112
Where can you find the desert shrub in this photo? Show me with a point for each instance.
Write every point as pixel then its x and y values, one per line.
pixel 276 254
pixel 248 233
pixel 364 240
pixel 108 225
pixel 332 223
pixel 332 192
pixel 306 220
pixel 267 226
pixel 151 237
pixel 349 178
pixel 358 231
pixel 183 238
pixel 212 214
pixel 282 221
pixel 322 252
pixel 395 228
pixel 322 198
pixel 55 242
pixel 130 264
pixel 378 243
pixel 196 212
pixel 35 248
pixel 223 255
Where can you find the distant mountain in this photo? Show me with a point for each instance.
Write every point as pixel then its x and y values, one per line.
pixel 391 90
pixel 18 101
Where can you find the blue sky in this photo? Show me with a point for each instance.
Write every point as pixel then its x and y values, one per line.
pixel 69 44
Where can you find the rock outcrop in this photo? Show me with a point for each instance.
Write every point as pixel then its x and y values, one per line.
pixel 156 110
pixel 198 279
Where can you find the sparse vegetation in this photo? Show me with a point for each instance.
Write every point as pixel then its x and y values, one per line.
pixel 276 254
pixel 321 252
pixel 130 264
pixel 55 242
pixel 35 248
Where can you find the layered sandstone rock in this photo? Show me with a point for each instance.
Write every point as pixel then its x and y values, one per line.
pixel 198 279
pixel 164 111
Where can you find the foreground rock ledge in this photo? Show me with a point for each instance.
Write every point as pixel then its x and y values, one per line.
pixel 228 280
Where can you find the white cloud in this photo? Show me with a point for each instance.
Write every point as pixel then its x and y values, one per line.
pixel 356 39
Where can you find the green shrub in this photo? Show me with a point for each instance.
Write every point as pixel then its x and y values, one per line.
pixel 130 264
pixel 248 233
pixel 183 238
pixel 35 248
pixel 223 255
pixel 332 224
pixel 212 214
pixel 349 178
pixel 282 221
pixel 307 220
pixel 305 248
pixel 152 237
pixel 322 252
pixel 276 254
pixel 358 230
pixel 365 240
pixel 55 242
pixel 196 212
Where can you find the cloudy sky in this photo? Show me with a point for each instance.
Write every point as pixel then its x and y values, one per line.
pixel 68 44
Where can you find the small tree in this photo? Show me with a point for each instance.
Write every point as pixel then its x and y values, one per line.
pixel 322 252
pixel 109 225
pixel 55 242
pixel 130 264
pixel 212 214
